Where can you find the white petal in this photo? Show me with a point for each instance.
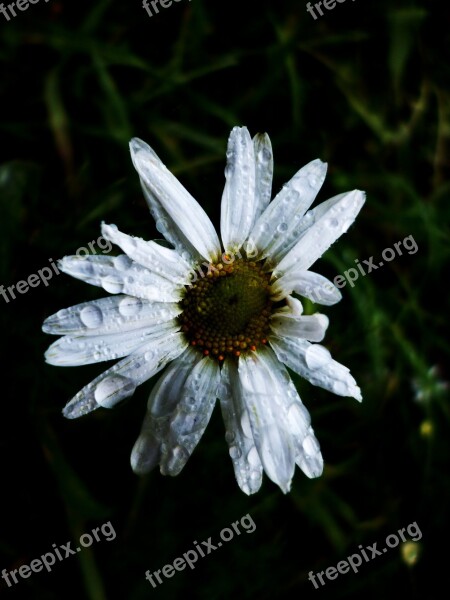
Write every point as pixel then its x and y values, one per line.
pixel 309 327
pixel 269 426
pixel 263 172
pixel 238 208
pixel 314 363
pixel 162 261
pixel 307 449
pixel 120 275
pixel 191 415
pixel 294 305
pixel 178 216
pixel 311 285
pixel 319 237
pixel 277 230
pixel 244 454
pixel 162 402
pixel 110 315
pixel 73 351
pixel 121 380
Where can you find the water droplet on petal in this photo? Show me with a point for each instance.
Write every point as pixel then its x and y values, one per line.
pixel 230 436
pixel 122 262
pixel 177 459
pixel 112 389
pixel 235 452
pixel 282 227
pixel 91 316
pixel 190 423
pixel 245 488
pixel 245 424
pixel 149 355
pixel 265 155
pixel 253 457
pixel 299 419
pixel 311 445
pixel 317 356
pixel 113 286
pixel 162 225
pixel 128 307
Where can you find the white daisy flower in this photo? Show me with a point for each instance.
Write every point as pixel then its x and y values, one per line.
pixel 221 319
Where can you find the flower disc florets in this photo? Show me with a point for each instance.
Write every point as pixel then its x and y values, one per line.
pixel 226 311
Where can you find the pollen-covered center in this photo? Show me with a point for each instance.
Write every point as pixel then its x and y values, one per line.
pixel 227 310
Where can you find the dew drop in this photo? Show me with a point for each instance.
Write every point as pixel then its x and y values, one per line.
pixel 178 457
pixel 129 307
pixel 245 424
pixel 162 225
pixel 299 419
pixel 293 197
pixel 282 227
pixel 235 452
pixel 333 223
pixel 91 316
pixel 149 355
pixel 113 286
pixel 122 262
pixel 265 155
pixel 223 391
pixel 245 488
pixel 230 437
pixel 310 445
pixel 316 356
pixel 190 423
pixel 253 457
pixel 112 389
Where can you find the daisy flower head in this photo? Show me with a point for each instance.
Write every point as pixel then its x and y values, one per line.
pixel 219 317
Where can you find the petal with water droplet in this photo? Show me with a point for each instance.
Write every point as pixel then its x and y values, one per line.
pixel 311 285
pixel 288 207
pixel 164 262
pixel 238 207
pixel 112 314
pixel 181 219
pixel 73 351
pixel 161 405
pixel 262 394
pixel 319 237
pixel 244 455
pixel 133 368
pixel 315 365
pixel 134 280
pixel 309 327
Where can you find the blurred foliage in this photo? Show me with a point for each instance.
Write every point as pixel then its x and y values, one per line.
pixel 366 87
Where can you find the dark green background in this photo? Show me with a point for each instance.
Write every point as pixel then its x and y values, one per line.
pixel 367 88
